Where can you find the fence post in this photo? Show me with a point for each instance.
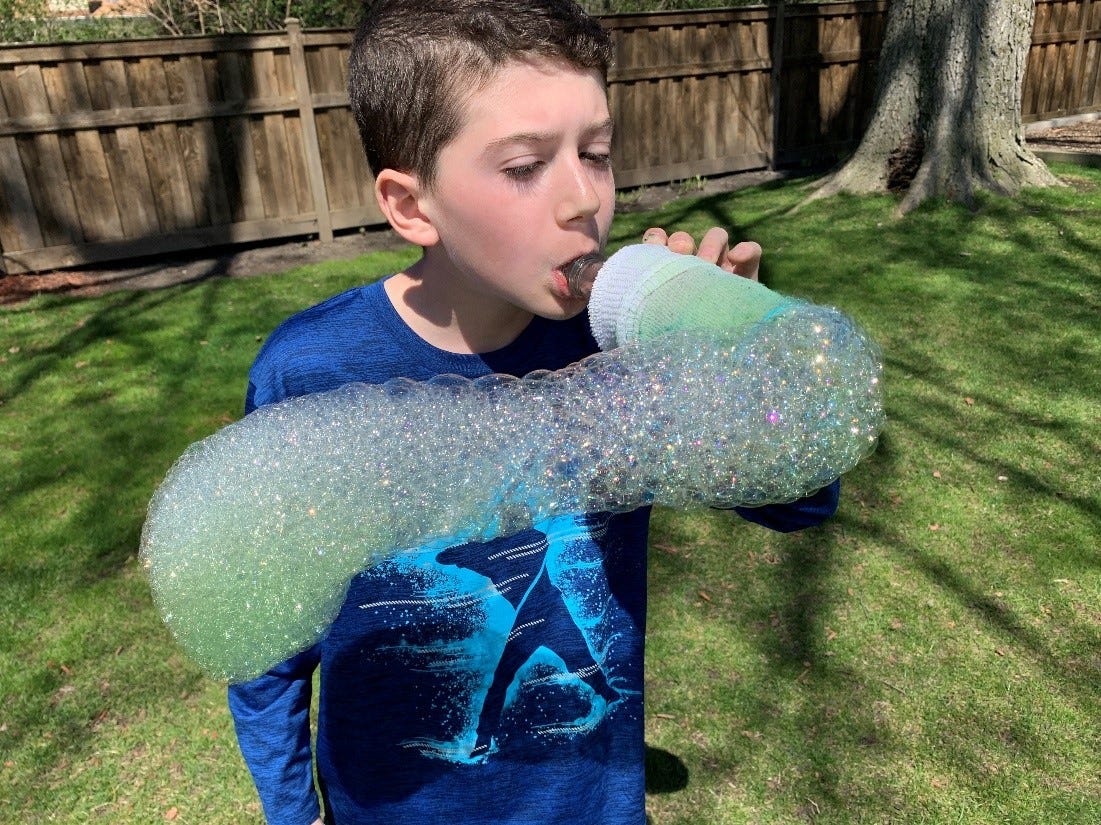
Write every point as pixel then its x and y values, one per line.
pixel 1077 81
pixel 309 129
pixel 777 67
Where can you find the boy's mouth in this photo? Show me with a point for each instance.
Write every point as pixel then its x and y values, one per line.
pixel 580 273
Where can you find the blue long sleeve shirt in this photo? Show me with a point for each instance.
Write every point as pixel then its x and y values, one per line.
pixel 497 682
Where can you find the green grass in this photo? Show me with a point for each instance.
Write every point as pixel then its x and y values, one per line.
pixel 933 654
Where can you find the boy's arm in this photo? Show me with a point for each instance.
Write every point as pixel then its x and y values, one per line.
pixel 796 515
pixel 272 717
pixel 271 713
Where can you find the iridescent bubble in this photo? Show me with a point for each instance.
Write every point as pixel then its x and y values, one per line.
pixel 255 533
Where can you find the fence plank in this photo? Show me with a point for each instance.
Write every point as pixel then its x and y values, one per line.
pixel 130 181
pixel 44 164
pixel 1091 94
pixel 777 45
pixel 314 172
pixel 18 218
pixel 187 86
pixel 163 150
pixel 85 162
pixel 236 140
pixel 1079 68
pixel 347 178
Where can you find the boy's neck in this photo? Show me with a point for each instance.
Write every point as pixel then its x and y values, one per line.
pixel 438 309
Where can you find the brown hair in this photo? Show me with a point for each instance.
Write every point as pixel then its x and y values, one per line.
pixel 413 62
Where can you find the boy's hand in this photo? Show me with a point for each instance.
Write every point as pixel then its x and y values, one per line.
pixel 744 259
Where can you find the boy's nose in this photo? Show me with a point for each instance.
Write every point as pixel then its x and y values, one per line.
pixel 580 198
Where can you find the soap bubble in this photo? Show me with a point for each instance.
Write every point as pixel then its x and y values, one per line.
pixel 257 530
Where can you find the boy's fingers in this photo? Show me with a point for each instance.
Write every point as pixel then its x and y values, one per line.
pixel 713 247
pixel 745 259
pixel 682 243
pixel 679 242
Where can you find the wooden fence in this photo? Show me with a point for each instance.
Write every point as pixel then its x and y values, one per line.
pixel 1063 74
pixel 115 150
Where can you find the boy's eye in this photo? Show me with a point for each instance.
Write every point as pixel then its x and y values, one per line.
pixel 525 172
pixel 601 159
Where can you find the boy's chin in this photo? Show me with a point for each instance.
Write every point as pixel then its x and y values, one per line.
pixel 564 310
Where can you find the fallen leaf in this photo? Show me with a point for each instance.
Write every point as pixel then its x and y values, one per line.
pixel 171 813
pixel 703 595
pixel 934 527
pixel 936 473
pixel 969 402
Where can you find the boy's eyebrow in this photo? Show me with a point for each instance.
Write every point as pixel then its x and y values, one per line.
pixel 601 128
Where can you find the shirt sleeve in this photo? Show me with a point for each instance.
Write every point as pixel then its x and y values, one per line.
pixel 271 713
pixel 272 717
pixel 796 515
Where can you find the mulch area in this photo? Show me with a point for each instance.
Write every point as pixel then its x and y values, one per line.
pixel 180 267
pixel 1081 136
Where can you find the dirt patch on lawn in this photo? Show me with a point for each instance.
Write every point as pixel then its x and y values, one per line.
pixel 181 268
pixel 1080 136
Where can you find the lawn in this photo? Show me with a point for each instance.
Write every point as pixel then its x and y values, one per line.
pixel 933 654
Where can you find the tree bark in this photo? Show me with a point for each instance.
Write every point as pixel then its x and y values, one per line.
pixel 947 117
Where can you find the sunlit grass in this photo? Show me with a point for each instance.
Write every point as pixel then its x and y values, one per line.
pixel 931 655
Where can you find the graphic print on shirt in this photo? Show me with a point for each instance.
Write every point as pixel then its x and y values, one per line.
pixel 529 652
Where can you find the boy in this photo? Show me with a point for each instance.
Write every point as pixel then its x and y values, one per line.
pixel 497 682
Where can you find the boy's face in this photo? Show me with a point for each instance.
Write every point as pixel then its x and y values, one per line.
pixel 524 188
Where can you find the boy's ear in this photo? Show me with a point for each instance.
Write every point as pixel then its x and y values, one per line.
pixel 399 197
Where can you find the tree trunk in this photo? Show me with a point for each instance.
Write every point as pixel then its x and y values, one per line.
pixel 947 117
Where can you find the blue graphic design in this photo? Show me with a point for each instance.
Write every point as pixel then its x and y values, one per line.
pixel 525 645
